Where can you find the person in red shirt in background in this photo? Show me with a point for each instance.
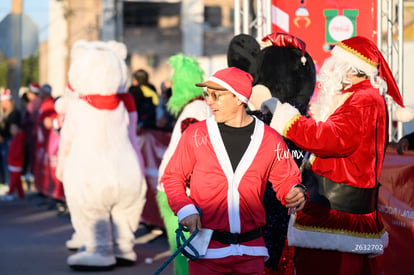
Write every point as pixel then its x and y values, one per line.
pixel 44 124
pixel 47 113
pixel 15 158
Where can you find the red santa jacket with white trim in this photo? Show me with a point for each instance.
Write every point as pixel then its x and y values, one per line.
pixel 349 148
pixel 229 201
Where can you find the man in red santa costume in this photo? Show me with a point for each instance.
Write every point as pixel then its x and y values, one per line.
pixel 340 230
pixel 226 160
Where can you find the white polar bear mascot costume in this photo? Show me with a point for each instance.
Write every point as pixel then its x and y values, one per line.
pixel 97 162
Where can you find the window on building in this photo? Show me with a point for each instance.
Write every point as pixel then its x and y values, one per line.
pixel 213 16
pixel 148 14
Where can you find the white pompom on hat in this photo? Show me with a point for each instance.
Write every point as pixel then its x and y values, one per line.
pixel 232 79
pixel 403 114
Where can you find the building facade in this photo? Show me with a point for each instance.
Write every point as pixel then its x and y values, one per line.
pixel 151 30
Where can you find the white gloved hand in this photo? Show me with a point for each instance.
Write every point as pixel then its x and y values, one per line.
pixel 282 115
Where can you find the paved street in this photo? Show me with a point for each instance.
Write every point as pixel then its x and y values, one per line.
pixel 32 242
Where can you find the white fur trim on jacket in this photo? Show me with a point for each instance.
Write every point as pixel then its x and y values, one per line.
pixel 236 249
pixel 283 114
pixel 197 109
pixel 186 211
pixel 331 241
pixel 234 178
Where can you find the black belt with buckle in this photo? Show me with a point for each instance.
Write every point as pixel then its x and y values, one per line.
pixel 341 197
pixel 235 238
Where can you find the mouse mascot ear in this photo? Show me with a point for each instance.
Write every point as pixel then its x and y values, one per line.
pixel 287 70
pixel 244 53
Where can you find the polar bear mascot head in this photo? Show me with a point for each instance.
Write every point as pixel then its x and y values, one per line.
pixel 96 67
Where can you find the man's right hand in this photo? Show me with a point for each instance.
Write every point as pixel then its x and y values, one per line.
pixel 192 222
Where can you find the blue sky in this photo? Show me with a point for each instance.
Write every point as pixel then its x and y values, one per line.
pixel 37 10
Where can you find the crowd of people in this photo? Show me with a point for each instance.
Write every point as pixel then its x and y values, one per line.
pixel 151 102
pixel 221 158
pixel 23 133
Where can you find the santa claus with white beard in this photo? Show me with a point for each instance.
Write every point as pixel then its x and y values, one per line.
pixel 340 230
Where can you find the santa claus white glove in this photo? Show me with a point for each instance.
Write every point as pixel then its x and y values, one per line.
pixel 282 115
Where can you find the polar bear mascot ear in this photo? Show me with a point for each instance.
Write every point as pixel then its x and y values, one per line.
pixel 118 47
pixel 78 48
pixel 105 79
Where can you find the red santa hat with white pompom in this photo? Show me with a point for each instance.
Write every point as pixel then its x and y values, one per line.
pixel 34 88
pixel 5 94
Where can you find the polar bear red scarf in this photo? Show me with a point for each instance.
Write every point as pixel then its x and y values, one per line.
pixel 110 102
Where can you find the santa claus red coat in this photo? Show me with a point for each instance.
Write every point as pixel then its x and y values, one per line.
pixel 345 155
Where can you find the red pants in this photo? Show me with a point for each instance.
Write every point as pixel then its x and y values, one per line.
pixel 248 265
pixel 321 262
pixel 16 184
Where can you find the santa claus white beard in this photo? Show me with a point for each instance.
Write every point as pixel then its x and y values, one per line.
pixel 333 82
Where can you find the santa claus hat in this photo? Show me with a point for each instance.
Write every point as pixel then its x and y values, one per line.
pixel 6 94
pixel 287 40
pixel 365 56
pixel 287 69
pixel 34 88
pixel 232 79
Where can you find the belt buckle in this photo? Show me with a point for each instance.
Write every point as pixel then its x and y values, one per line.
pixel 232 238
